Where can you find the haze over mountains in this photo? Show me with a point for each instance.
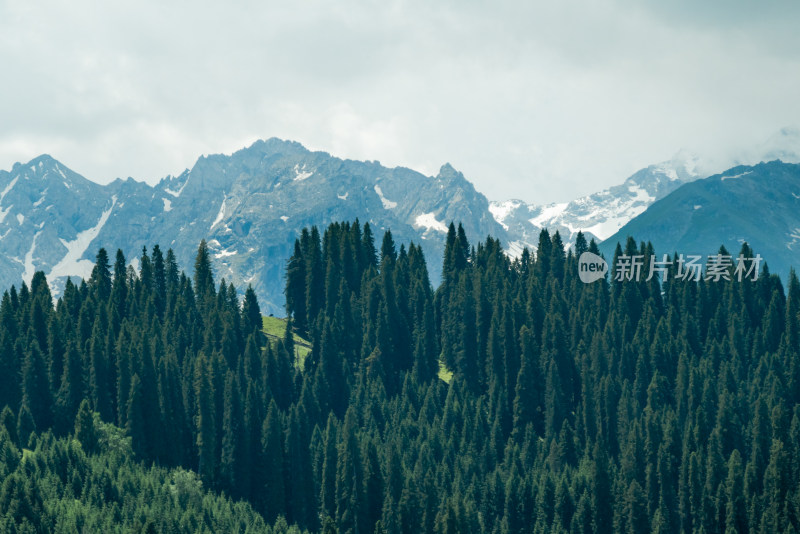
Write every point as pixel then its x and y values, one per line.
pixel 602 214
pixel 250 206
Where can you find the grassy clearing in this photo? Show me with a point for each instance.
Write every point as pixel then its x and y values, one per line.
pixel 445 374
pixel 274 328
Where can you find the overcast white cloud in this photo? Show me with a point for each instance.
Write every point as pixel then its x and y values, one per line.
pixel 535 100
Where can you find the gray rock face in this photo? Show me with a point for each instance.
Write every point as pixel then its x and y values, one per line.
pixel 249 206
pixel 47 214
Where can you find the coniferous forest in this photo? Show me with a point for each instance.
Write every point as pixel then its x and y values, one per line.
pixel 512 398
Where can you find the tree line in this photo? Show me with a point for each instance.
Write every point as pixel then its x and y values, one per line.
pixel 512 398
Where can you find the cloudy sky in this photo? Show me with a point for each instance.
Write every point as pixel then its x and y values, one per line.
pixel 542 101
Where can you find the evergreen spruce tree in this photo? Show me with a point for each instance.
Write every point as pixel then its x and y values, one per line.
pixel 232 422
pixel 85 430
pixel 10 366
pixel 100 280
pixel 251 313
pixel 349 477
pixel 99 380
pixel 26 425
pixel 71 389
pixel 203 275
pixel 273 483
pixel 36 394
pixel 315 278
pixel 205 421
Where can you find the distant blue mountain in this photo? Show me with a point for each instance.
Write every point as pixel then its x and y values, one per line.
pixel 757 204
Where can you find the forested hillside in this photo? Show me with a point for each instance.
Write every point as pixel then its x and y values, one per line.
pixel 94 484
pixel 606 407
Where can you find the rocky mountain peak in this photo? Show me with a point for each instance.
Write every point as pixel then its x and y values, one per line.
pixel 249 206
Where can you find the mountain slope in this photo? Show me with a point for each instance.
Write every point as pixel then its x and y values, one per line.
pixel 598 215
pixel 48 217
pixel 250 206
pixel 115 492
pixel 758 204
pixel 603 213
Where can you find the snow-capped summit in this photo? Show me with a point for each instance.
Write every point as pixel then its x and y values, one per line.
pixel 600 214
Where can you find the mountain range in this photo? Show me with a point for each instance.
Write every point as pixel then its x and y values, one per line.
pixel 598 215
pixel 251 205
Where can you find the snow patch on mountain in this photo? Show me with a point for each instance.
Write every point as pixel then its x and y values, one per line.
pixel 640 194
pixel 167 204
pixel 59 171
pixel 607 228
pixel 429 221
pixel 548 214
pixel 8 188
pixel 668 172
pixel 221 212
pixel 514 249
pixel 501 210
pixel 387 204
pixel 41 199
pixel 795 238
pixel 27 276
pixel 300 173
pixel 735 176
pixel 225 253
pixel 72 264
pixel 177 193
